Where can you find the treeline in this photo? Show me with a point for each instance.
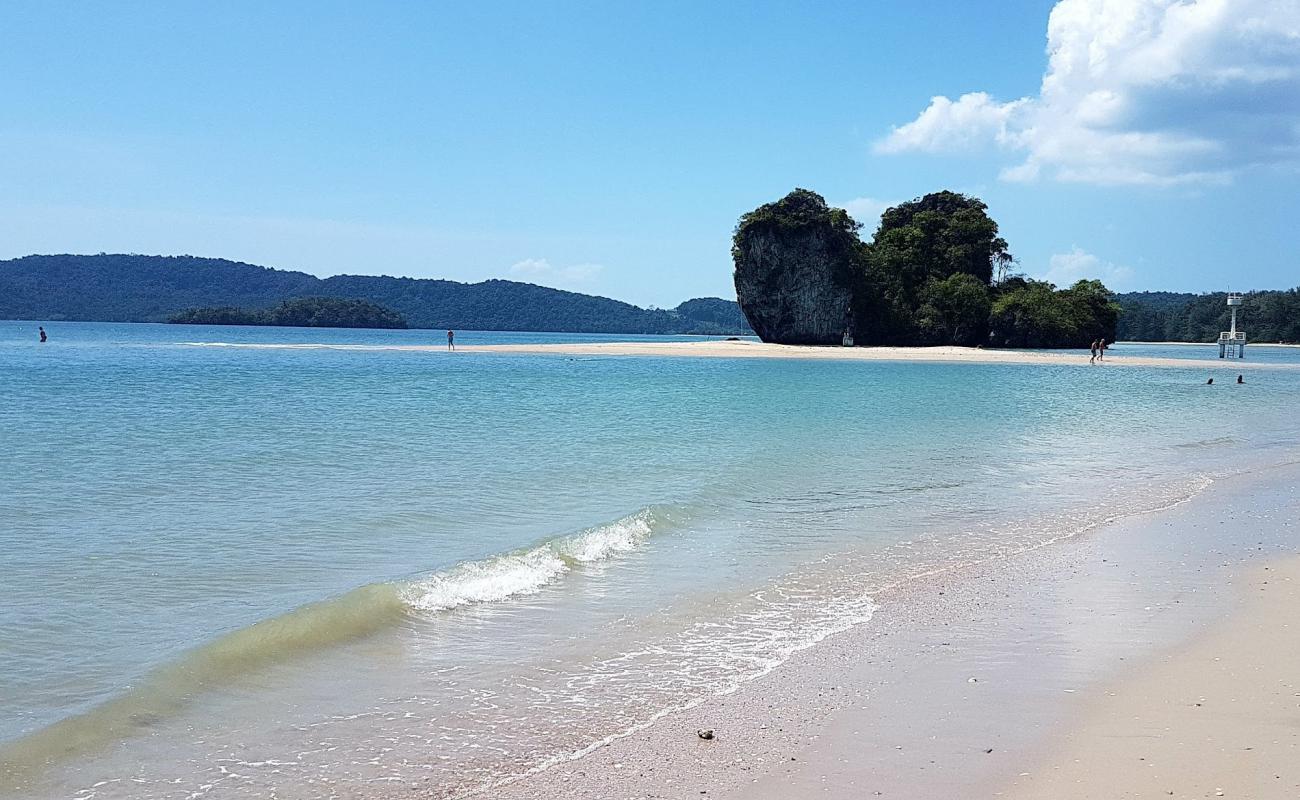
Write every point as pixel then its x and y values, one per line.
pixel 304 312
pixel 931 278
pixel 1268 316
pixel 142 288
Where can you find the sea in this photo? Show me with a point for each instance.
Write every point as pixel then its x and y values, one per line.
pixel 292 563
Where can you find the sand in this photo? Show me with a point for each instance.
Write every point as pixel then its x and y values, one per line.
pixel 1048 674
pixel 1219 717
pixel 745 348
pixel 749 348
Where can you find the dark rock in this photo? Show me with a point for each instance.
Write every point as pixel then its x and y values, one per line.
pixel 795 265
pixel 706 733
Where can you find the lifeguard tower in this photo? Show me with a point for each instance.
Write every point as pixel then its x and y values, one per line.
pixel 1232 340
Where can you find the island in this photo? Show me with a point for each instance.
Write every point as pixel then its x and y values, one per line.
pixel 935 272
pixel 302 312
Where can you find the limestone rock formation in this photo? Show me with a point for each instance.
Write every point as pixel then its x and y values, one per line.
pixel 795 261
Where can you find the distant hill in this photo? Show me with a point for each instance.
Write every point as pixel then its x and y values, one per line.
pixel 141 288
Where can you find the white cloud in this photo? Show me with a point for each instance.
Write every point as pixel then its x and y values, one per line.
pixel 539 270
pixel 975 120
pixel 866 210
pixel 1064 269
pixel 1158 92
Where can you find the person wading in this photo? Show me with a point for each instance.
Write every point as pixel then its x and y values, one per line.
pixel 42 330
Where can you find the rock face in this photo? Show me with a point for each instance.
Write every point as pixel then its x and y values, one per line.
pixel 795 264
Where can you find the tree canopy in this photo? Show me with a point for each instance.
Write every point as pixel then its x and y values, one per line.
pixel 927 273
pixel 304 312
pixel 938 235
pixel 1269 316
pixel 1033 314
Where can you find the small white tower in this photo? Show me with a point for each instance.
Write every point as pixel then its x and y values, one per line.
pixel 1233 339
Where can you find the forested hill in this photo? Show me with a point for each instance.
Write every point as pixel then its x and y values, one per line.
pixel 139 288
pixel 1269 316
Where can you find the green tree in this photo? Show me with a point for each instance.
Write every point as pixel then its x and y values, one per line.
pixel 926 240
pixel 942 233
pixel 1095 310
pixel 1029 313
pixel 304 312
pixel 1031 316
pixel 954 310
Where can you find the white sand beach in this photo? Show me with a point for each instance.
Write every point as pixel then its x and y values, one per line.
pixel 1219 717
pixel 746 348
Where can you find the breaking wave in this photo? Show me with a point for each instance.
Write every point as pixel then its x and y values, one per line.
pixel 356 614
pixel 527 571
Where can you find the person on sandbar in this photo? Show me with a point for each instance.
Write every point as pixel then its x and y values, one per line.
pixel 1093 360
pixel 451 340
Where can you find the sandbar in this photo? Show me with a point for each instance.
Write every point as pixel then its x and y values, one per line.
pixel 745 348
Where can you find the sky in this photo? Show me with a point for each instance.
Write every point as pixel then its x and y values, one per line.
pixel 609 148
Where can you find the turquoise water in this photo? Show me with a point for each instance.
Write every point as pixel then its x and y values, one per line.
pixel 234 570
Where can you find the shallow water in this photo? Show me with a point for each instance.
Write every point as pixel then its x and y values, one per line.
pixel 232 571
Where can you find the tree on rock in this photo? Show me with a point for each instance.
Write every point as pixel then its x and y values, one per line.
pixel 797 262
pixel 918 246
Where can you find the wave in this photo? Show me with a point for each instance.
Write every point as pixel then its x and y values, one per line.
pixel 357 614
pixel 528 571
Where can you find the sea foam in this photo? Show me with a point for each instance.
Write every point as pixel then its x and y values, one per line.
pixel 527 571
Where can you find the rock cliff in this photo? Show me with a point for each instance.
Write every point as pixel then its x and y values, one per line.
pixel 795 262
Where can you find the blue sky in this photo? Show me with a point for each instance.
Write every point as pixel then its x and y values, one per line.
pixel 610 147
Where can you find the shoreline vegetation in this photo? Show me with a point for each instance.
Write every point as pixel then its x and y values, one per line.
pixel 305 312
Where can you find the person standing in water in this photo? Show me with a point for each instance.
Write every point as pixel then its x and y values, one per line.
pixel 42 330
pixel 451 340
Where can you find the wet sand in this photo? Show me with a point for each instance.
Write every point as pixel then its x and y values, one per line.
pixel 1046 674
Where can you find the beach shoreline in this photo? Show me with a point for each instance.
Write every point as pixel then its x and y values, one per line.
pixel 1216 717
pixel 750 349
pixel 745 349
pixel 944 355
pixel 966 684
